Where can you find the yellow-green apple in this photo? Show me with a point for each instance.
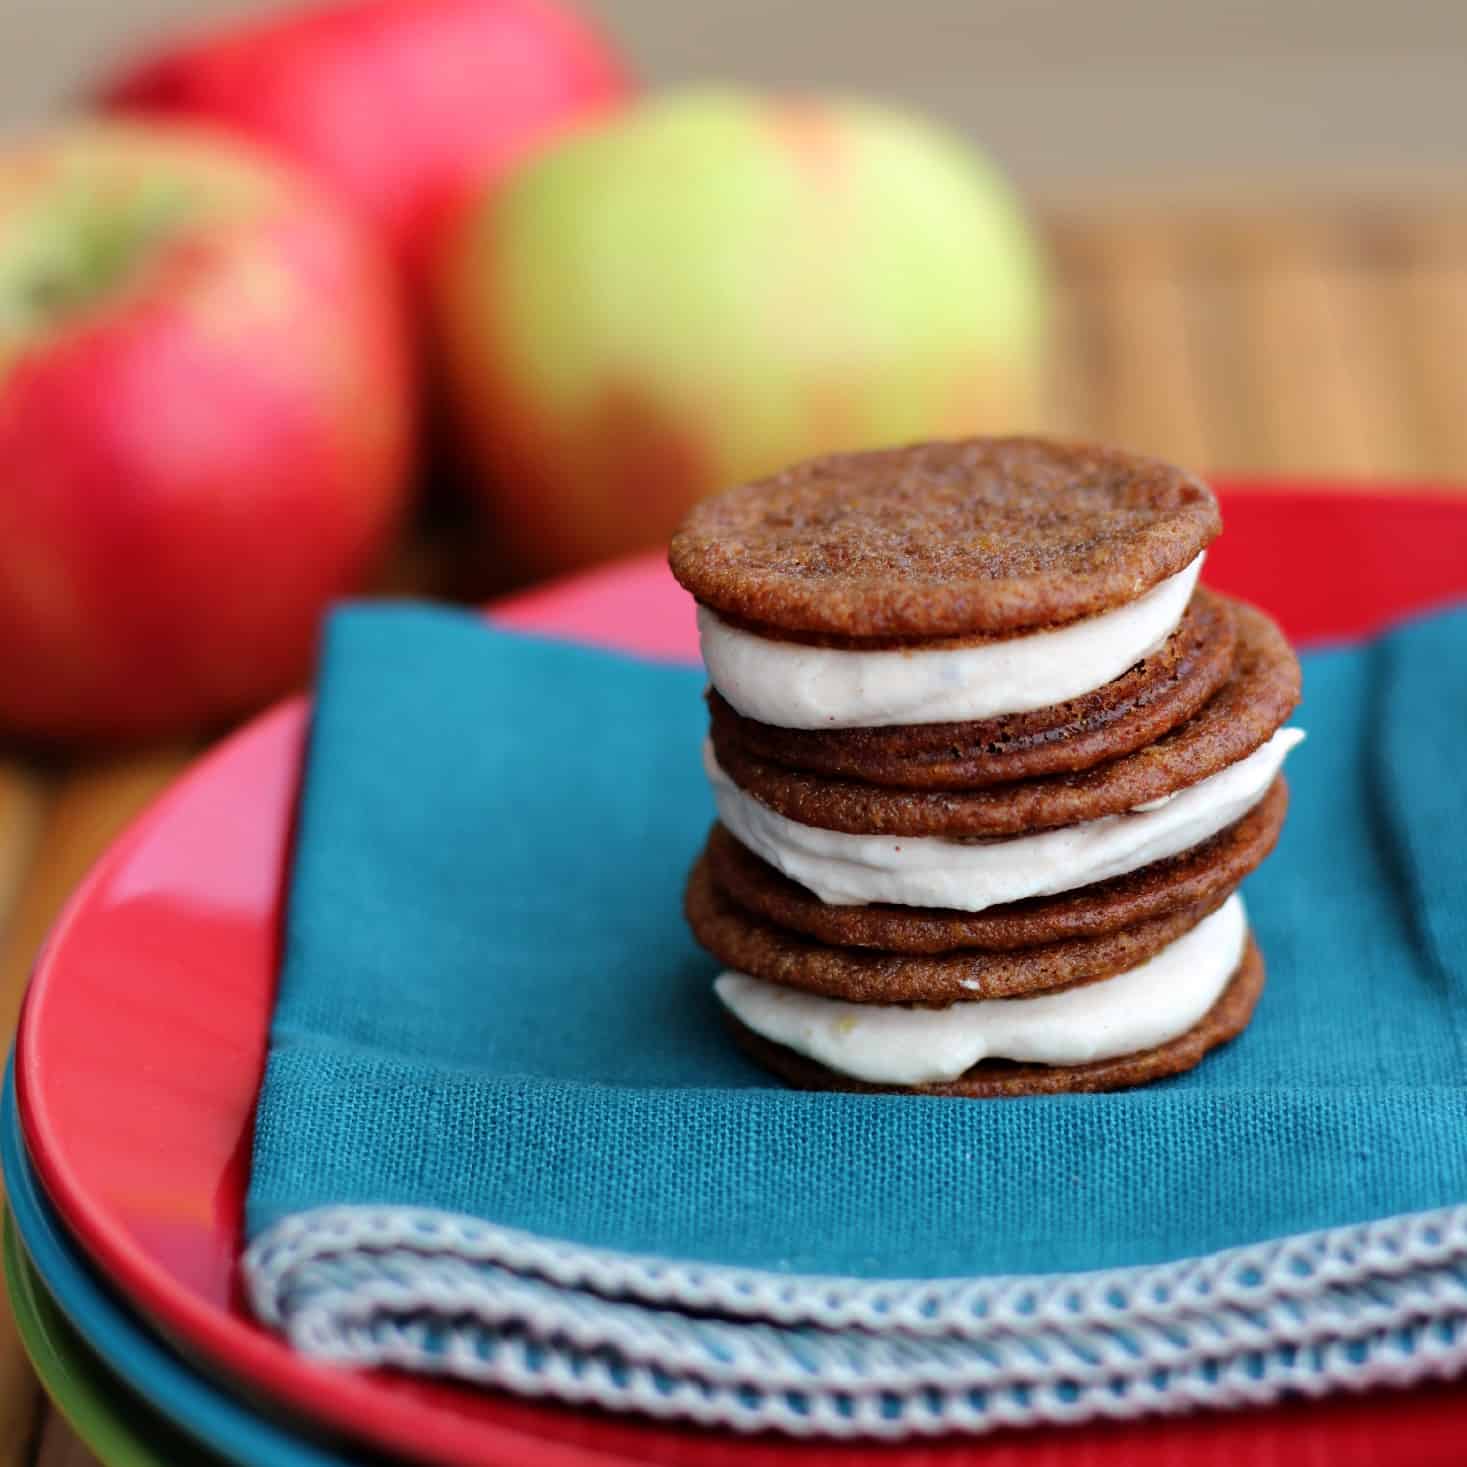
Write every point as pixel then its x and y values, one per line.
pixel 400 104
pixel 205 425
pixel 713 285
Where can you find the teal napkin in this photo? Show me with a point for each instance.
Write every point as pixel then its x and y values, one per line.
pixel 490 1005
pixel 502 1137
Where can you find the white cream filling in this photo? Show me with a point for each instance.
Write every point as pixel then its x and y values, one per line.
pixel 795 686
pixel 930 871
pixel 890 1044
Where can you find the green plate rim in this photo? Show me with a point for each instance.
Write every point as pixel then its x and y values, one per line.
pixel 112 1423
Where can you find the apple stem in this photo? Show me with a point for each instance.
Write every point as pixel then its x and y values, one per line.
pixel 80 244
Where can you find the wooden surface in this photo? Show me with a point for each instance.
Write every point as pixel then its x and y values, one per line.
pixel 1325 340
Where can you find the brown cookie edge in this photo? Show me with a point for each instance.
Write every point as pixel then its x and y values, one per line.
pixel 1251 706
pixel 1001 1080
pixel 1147 701
pixel 1192 877
pixel 869 975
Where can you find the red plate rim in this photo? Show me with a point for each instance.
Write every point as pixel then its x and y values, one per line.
pixel 442 1422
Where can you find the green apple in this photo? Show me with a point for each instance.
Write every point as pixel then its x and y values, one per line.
pixel 714 285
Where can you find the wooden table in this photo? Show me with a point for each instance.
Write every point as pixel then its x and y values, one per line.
pixel 1328 339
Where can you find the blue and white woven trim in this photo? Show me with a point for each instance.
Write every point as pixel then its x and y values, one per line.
pixel 1352 1307
pixel 1249 1277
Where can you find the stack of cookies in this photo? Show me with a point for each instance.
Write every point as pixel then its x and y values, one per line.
pixel 989 767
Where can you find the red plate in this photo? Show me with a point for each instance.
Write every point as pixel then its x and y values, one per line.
pixel 144 1036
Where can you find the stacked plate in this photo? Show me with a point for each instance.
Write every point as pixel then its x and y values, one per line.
pixel 125 1125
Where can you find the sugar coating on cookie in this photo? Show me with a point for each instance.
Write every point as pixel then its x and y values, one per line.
pixel 984 535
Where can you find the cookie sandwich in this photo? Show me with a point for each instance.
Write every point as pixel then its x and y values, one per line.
pixel 989 766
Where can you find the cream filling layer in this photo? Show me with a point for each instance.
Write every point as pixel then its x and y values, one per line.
pixel 930 871
pixel 891 1044
pixel 796 686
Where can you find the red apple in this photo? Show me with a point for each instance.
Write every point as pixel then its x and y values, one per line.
pixel 402 105
pixel 206 423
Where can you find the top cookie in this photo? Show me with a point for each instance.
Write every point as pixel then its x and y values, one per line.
pixel 980 536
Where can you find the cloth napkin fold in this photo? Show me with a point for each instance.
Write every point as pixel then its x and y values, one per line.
pixel 502 1135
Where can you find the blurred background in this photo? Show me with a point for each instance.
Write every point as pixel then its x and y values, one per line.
pixel 455 295
pixel 1177 94
pixel 1255 211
